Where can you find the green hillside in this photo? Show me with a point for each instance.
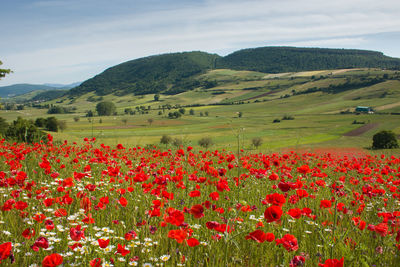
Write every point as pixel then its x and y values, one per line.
pixel 292 59
pixel 179 72
pixel 168 73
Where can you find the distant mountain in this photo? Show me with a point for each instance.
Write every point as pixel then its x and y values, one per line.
pixel 20 89
pixel 63 86
pixel 293 59
pixel 175 73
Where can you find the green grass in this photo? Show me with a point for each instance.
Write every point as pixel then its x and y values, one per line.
pixel 317 122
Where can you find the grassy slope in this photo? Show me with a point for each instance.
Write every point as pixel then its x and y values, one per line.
pixel 316 122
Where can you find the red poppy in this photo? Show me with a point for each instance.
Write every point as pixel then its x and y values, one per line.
pixel 325 204
pixel 130 235
pixel 49 225
pixel 95 262
pixel 297 261
pixel 333 263
pixel 5 250
pixel 28 233
pixel 52 260
pixel 103 243
pixel 122 250
pixel 175 217
pixel 60 213
pixel 41 242
pixel 197 211
pixel 258 235
pixel 77 233
pixel 273 213
pixel 295 213
pixel 214 196
pixel 276 199
pixel 195 193
pixel 192 242
pixel 21 205
pixel 179 235
pixel 289 242
pixel 123 202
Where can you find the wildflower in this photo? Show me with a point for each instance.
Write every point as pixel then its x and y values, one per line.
pixel 273 213
pixel 52 260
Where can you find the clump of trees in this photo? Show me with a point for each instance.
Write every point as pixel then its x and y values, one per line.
pixel 384 139
pixel 21 130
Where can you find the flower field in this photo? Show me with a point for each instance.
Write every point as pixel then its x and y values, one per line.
pixel 95 205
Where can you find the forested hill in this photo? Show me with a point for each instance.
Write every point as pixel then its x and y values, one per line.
pixel 176 72
pixel 293 59
pixel 167 73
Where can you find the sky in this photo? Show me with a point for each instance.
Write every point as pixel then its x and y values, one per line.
pixel 67 41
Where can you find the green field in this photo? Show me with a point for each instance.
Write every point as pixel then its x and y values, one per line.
pixel 317 119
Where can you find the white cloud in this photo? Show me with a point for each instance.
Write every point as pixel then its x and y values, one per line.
pixel 214 26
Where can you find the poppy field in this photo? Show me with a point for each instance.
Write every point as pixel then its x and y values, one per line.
pixel 95 205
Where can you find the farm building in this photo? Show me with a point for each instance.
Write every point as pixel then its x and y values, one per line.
pixel 362 109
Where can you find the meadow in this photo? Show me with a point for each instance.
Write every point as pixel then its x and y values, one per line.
pixel 99 205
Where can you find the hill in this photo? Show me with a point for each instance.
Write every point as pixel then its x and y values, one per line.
pixel 168 73
pixel 177 72
pixel 20 89
pixel 293 59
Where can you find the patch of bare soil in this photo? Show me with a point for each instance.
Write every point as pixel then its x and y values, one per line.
pixel 363 129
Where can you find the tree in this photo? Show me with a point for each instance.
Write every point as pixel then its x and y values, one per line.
pixel 384 139
pixel 191 111
pixel 240 114
pixel 257 141
pixel 3 72
pixel 89 114
pixel 3 126
pixel 150 121
pixel 165 139
pixel 76 118
pixel 52 124
pixel 125 121
pixel 205 142
pixel 62 125
pixel 106 108
pixel 182 111
pixel 156 97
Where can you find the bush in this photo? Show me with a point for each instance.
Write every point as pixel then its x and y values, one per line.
pixel 3 126
pixel 257 141
pixel 52 124
pixel 384 139
pixel 22 130
pixel 288 117
pixel 205 142
pixel 165 139
pixel 276 120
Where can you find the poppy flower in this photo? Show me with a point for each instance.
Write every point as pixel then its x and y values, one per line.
pixel 52 260
pixel 103 243
pixel 179 235
pixel 20 205
pixel 122 250
pixel 258 235
pixel 332 263
pixel 49 225
pixel 175 217
pixel 123 202
pixel 41 242
pixel 60 213
pixel 325 204
pixel 197 211
pixel 273 213
pixel 95 262
pixel 194 193
pixel 192 242
pixel 77 233
pixel 130 235
pixel 214 196
pixel 276 199
pixel 289 242
pixel 28 233
pixel 297 261
pixel 5 250
pixel 295 213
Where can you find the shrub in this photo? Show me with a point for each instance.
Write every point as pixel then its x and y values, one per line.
pixel 384 139
pixel 165 139
pixel 257 141
pixel 276 120
pixel 22 130
pixel 205 142
pixel 288 117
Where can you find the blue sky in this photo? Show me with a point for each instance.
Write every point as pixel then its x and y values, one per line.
pixel 65 41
